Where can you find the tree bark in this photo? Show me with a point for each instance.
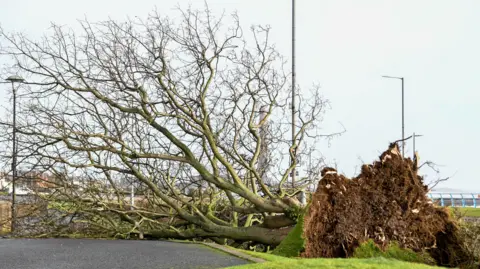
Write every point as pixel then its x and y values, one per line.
pixel 257 234
pixel 277 221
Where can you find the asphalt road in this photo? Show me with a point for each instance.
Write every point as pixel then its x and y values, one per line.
pixel 109 254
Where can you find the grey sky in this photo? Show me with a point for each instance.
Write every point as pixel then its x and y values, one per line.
pixel 346 46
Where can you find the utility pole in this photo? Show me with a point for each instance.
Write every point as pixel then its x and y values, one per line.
pixel 415 135
pixel 294 153
pixel 14 79
pixel 403 113
pixel 132 197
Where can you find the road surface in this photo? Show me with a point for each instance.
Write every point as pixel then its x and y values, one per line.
pixel 106 254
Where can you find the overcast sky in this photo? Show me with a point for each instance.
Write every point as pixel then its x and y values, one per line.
pixel 346 46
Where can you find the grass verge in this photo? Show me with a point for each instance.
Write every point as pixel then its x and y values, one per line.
pixel 265 256
pixel 274 261
pixel 277 262
pixel 468 211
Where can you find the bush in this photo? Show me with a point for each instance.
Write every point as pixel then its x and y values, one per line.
pixel 470 235
pixel 393 251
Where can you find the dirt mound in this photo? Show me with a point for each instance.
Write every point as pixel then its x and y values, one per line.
pixel 386 202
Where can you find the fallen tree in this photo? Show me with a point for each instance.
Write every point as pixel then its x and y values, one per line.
pixel 188 114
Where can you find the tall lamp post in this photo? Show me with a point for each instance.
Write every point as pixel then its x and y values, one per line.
pixel 294 154
pixel 403 114
pixel 13 80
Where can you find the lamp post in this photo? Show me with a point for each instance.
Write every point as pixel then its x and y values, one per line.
pixel 403 114
pixel 294 154
pixel 13 80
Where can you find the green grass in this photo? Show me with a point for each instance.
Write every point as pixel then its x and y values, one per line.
pixel 468 211
pixel 372 263
pixel 265 256
pixel 62 206
pixel 294 243
pixel 274 261
pixel 393 251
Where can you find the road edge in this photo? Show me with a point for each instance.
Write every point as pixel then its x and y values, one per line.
pixel 233 252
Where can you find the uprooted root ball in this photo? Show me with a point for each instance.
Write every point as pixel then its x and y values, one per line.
pixel 387 202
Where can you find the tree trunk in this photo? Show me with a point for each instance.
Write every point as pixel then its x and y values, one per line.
pixel 257 234
pixel 277 221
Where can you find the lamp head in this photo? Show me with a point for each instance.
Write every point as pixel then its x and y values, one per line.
pixel 15 78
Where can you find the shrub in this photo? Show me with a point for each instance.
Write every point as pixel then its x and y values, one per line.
pixel 470 235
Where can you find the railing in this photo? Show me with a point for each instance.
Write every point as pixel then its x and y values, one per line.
pixel 456 199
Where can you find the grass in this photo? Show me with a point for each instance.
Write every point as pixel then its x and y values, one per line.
pixel 393 251
pixel 468 211
pixel 277 262
pixel 265 256
pixel 62 206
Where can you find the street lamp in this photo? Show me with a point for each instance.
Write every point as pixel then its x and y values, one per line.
pixel 13 80
pixel 294 74
pixel 403 114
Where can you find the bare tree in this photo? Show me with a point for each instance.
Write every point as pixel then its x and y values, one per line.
pixel 172 107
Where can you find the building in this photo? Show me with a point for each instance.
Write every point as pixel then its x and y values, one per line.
pixel 27 182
